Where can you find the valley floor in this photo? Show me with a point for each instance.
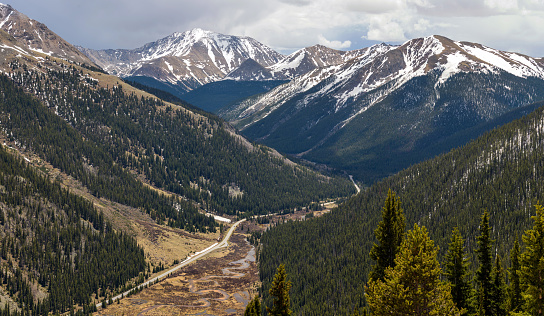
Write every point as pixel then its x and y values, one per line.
pixel 221 284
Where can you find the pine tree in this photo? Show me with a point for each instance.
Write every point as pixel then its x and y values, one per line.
pixel 280 291
pixel 413 286
pixel 390 233
pixel 483 275
pixel 515 300
pixel 532 265
pixel 456 271
pixel 357 313
pixel 253 308
pixel 498 293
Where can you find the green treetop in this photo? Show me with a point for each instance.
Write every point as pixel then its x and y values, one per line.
pixel 498 293
pixel 532 265
pixel 413 286
pixel 515 300
pixel 253 308
pixel 280 291
pixel 483 275
pixel 456 270
pixel 389 234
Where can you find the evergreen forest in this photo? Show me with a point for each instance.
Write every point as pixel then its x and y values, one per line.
pixel 58 253
pixel 56 243
pixel 329 258
pixel 107 138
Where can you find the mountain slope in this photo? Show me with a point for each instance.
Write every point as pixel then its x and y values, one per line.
pixel 308 59
pixel 57 248
pixel 250 70
pixel 328 257
pixel 215 95
pixel 37 37
pixel 120 130
pixel 390 101
pixel 188 59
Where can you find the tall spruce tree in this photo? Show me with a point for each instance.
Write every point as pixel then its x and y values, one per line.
pixel 483 274
pixel 456 271
pixel 413 286
pixel 389 233
pixel 280 291
pixel 515 299
pixel 532 265
pixel 253 308
pixel 498 293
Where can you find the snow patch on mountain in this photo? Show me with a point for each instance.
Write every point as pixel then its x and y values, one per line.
pixel 195 56
pixel 452 66
pixel 372 68
pixel 5 19
pixel 289 63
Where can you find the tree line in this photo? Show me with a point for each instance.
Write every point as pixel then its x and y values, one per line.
pixel 406 277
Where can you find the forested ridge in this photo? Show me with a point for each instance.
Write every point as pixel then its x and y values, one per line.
pixel 34 126
pixel 328 257
pixel 394 128
pixel 57 252
pixel 56 249
pixel 194 156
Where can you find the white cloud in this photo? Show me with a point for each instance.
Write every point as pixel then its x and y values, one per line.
pixel 372 6
pixel 292 24
pixel 502 5
pixel 333 44
pixel 422 25
pixel 384 29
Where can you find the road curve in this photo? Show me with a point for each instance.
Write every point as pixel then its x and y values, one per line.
pixel 355 184
pixel 190 259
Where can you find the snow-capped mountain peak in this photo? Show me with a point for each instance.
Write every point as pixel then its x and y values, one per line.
pixel 378 71
pixel 190 58
pixel 307 59
pixel 36 36
pixel 400 99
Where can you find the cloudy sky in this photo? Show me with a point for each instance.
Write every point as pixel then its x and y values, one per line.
pixel 287 25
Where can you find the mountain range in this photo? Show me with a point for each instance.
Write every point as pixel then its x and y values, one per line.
pixel 188 60
pixel 391 106
pixel 93 168
pixel 368 112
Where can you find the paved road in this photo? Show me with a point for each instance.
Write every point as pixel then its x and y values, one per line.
pixel 191 259
pixel 355 184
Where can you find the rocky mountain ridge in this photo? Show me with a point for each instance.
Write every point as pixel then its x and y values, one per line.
pixel 429 86
pixel 189 59
pixel 37 36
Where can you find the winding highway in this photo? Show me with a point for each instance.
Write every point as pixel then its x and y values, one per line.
pixel 355 184
pixel 190 259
